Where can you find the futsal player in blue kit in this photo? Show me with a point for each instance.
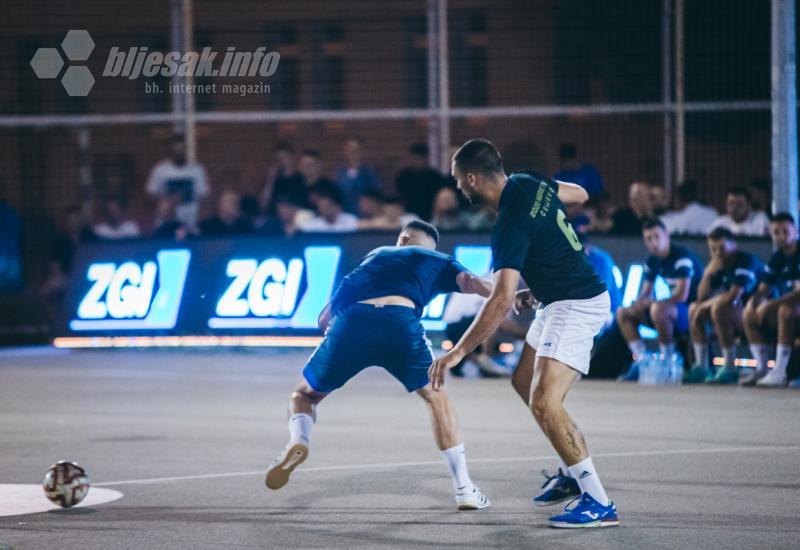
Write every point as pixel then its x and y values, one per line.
pixel 533 239
pixel 374 319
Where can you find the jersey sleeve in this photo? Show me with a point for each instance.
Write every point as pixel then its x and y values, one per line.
pixel 510 241
pixel 447 278
pixel 683 268
pixel 651 269
pixel 746 274
pixel 772 269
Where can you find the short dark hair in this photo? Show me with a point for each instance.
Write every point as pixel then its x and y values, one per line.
pixel 329 192
pixel 425 227
pixel 783 217
pixel 720 233
pixel 177 137
pixel 313 153
pixel 740 192
pixel 480 156
pixel 567 151
pixel 651 222
pixel 688 191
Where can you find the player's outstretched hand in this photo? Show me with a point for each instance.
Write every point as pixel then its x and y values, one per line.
pixel 441 365
pixel 524 301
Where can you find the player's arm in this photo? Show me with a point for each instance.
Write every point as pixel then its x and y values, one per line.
pixel 681 292
pixel 790 298
pixel 324 318
pixel 705 286
pixel 645 293
pixel 759 296
pixel 504 288
pixel 571 194
pixel 469 283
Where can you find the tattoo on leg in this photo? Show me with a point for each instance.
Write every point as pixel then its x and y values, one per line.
pixel 572 443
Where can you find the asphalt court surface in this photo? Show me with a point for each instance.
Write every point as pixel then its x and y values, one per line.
pixel 186 437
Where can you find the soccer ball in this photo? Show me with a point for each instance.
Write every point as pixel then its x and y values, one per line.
pixel 65 483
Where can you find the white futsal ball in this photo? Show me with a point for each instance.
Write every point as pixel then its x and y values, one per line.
pixel 65 483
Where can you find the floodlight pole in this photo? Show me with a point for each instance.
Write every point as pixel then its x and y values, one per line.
pixel 784 108
pixel 183 105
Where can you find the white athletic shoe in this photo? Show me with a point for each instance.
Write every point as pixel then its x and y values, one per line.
pixel 280 469
pixel 472 499
pixel 773 379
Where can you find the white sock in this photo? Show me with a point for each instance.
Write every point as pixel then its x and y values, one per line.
pixel 760 354
pixel 701 353
pixel 588 481
pixel 730 357
pixel 638 349
pixel 300 428
pixel 563 467
pixel 782 356
pixel 456 460
pixel 667 349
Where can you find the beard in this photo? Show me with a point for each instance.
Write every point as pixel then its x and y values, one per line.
pixel 475 200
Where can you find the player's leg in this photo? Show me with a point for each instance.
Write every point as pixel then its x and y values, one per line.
pixel 664 314
pixel 787 316
pixel 552 382
pixel 339 357
pixel 407 355
pixel 699 317
pixel 302 415
pixel 760 322
pixel 628 320
pixel 444 422
pixel 727 320
pixel 558 487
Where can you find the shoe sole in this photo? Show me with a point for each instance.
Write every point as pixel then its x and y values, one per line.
pixel 278 475
pixel 554 502
pixel 562 525
pixel 467 506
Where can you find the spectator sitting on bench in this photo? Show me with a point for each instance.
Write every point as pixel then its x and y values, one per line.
pixel 728 281
pixel 681 270
pixel 765 318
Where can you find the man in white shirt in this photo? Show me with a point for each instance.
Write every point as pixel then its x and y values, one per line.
pixel 331 217
pixel 741 219
pixel 691 217
pixel 116 224
pixel 185 181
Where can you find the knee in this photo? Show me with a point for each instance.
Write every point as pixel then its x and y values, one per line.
pixel 718 310
pixel 304 392
pixel 622 314
pixel 657 312
pixel 543 406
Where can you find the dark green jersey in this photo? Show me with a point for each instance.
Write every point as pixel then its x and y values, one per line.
pixel 533 236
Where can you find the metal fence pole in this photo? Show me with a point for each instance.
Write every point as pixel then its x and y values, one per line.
pixel 680 99
pixel 176 45
pixel 444 90
pixel 784 108
pixel 432 30
pixel 666 90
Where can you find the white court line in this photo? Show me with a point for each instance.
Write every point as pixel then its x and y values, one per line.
pixel 389 465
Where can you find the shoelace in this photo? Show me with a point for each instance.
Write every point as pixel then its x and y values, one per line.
pixel 577 502
pixel 549 478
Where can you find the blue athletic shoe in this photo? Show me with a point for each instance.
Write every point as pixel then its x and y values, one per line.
pixel 557 488
pixel 632 375
pixel 586 512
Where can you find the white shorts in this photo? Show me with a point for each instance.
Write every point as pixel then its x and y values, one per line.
pixel 565 330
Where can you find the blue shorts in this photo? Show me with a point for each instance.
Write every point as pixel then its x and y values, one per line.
pixel 681 324
pixel 363 335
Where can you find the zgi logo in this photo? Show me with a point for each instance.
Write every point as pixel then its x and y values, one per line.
pixel 134 296
pixel 267 293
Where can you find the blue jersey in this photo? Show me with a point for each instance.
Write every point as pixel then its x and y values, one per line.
pixel 783 271
pixel 679 264
pixel 745 271
pixel 414 272
pixel 532 236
